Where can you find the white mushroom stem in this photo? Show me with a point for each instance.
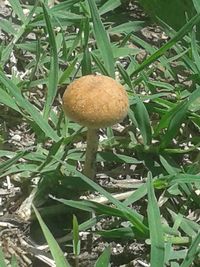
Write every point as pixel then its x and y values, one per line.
pixel 91 151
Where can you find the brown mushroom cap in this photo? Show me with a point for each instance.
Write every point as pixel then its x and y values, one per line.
pixel 95 101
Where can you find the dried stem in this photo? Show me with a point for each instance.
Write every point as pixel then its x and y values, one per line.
pixel 91 151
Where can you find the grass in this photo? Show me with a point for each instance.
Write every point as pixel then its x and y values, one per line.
pixel 158 149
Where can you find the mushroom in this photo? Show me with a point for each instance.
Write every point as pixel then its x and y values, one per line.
pixel 95 101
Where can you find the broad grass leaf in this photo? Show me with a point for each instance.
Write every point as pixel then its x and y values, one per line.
pixel 76 241
pixel 119 233
pixel 10 162
pixel 155 227
pixel 127 27
pixel 195 52
pixel 7 100
pixel 75 43
pixel 61 18
pixel 190 228
pixel 67 72
pixel 92 206
pixel 19 168
pixel 86 61
pixel 169 165
pixel 125 76
pixel 28 46
pixel 185 178
pixel 138 194
pixel 143 121
pixel 102 40
pixel 7 153
pixel 162 85
pixel 17 8
pixel 63 6
pixel 104 258
pixel 56 147
pixel 168 114
pixel 104 157
pixel 124 51
pixel 120 158
pixel 99 64
pixel 53 73
pixel 7 26
pixel 109 5
pixel 56 251
pixel 196 5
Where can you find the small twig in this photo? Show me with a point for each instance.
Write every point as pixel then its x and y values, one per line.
pixel 24 211
pixel 120 196
pixel 143 263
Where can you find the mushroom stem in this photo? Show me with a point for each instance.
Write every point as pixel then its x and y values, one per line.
pixel 91 151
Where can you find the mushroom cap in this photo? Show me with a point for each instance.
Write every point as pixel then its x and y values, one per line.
pixel 95 101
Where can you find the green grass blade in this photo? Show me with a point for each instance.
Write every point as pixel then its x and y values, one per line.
pixel 151 50
pixel 126 233
pixel 143 121
pixel 109 5
pixel 67 72
pixel 30 109
pixel 196 5
pixel 185 178
pixel 92 206
pixel 76 241
pixel 100 65
pixel 14 261
pixel 138 194
pixel 125 76
pixel 56 251
pixel 53 73
pixel 86 63
pixel 177 117
pixel 7 100
pixel 155 227
pixel 66 5
pixel 16 6
pixel 2 259
pixel 175 123
pixel 134 217
pixel 168 165
pixel 127 27
pixel 195 52
pixel 10 162
pixel 102 39
pixel 192 252
pixel 104 259
pixel 6 26
pixel 160 52
pixel 74 44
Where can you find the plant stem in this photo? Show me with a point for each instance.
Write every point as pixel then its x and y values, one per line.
pixel 76 261
pixel 91 151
